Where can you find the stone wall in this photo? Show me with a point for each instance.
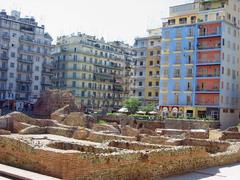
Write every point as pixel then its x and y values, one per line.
pixel 230 135
pixel 155 162
pixel 51 100
pixel 191 124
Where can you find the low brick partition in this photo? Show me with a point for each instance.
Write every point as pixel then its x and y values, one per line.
pixel 230 135
pixel 211 146
pixel 126 160
pixel 191 124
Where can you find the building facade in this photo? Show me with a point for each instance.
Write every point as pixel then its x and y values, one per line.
pixel 24 61
pixel 147 67
pixel 200 61
pixel 92 69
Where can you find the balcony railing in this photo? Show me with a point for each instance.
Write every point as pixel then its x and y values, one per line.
pixel 29 61
pixel 4 57
pixel 216 46
pixel 24 80
pixel 213 89
pixel 209 75
pixel 208 61
pixel 3 68
pixel 6 36
pixel 213 33
pixel 207 103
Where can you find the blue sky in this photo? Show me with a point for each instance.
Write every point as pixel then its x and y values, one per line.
pixel 112 19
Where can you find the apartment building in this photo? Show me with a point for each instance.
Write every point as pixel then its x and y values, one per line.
pixel 25 61
pixel 200 61
pixel 147 67
pixel 94 70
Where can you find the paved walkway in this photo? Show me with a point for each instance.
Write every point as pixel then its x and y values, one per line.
pixel 231 172
pixel 7 172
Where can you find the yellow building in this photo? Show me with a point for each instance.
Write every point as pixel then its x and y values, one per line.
pixel 153 67
pixel 147 67
pixel 92 69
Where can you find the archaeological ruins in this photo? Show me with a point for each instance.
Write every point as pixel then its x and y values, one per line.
pixel 72 145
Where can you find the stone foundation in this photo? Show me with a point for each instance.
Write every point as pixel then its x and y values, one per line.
pixel 73 159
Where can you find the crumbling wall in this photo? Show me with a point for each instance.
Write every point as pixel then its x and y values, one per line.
pixel 51 100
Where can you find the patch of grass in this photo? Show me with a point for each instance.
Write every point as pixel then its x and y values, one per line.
pixel 101 122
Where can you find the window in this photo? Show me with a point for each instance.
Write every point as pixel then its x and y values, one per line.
pixel 140 83
pixel 139 94
pixel 36 78
pixel 141 63
pixel 156 94
pixel 149 94
pixel 11 75
pixel 152 43
pixel 12 64
pixel 151 53
pixel 35 87
pixel 150 73
pixel 36 68
pixel 151 63
pixel 12 54
pixel 141 73
pixel 73 83
pixel 149 83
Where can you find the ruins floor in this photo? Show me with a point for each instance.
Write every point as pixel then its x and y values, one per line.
pixel 230 172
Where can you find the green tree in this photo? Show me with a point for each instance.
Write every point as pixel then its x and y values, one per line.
pixel 132 104
pixel 148 108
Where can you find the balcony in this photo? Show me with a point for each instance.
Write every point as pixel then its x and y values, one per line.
pixel 46 83
pixel 207 103
pixel 28 61
pixel 216 75
pixel 3 68
pixel 6 36
pixel 5 47
pixel 28 39
pixel 207 90
pixel 210 33
pixel 208 61
pixel 208 47
pixel 28 81
pixel 24 70
pixel 3 78
pixel 4 57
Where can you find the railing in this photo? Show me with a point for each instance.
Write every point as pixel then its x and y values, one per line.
pixel 208 75
pixel 206 61
pixel 3 68
pixel 30 61
pixel 209 103
pixel 6 36
pixel 216 46
pixel 3 57
pixel 208 89
pixel 24 80
pixel 213 33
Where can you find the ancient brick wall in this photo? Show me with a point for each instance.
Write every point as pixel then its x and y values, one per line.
pixel 70 165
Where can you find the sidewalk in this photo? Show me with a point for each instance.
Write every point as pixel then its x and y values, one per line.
pixel 8 172
pixel 230 172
